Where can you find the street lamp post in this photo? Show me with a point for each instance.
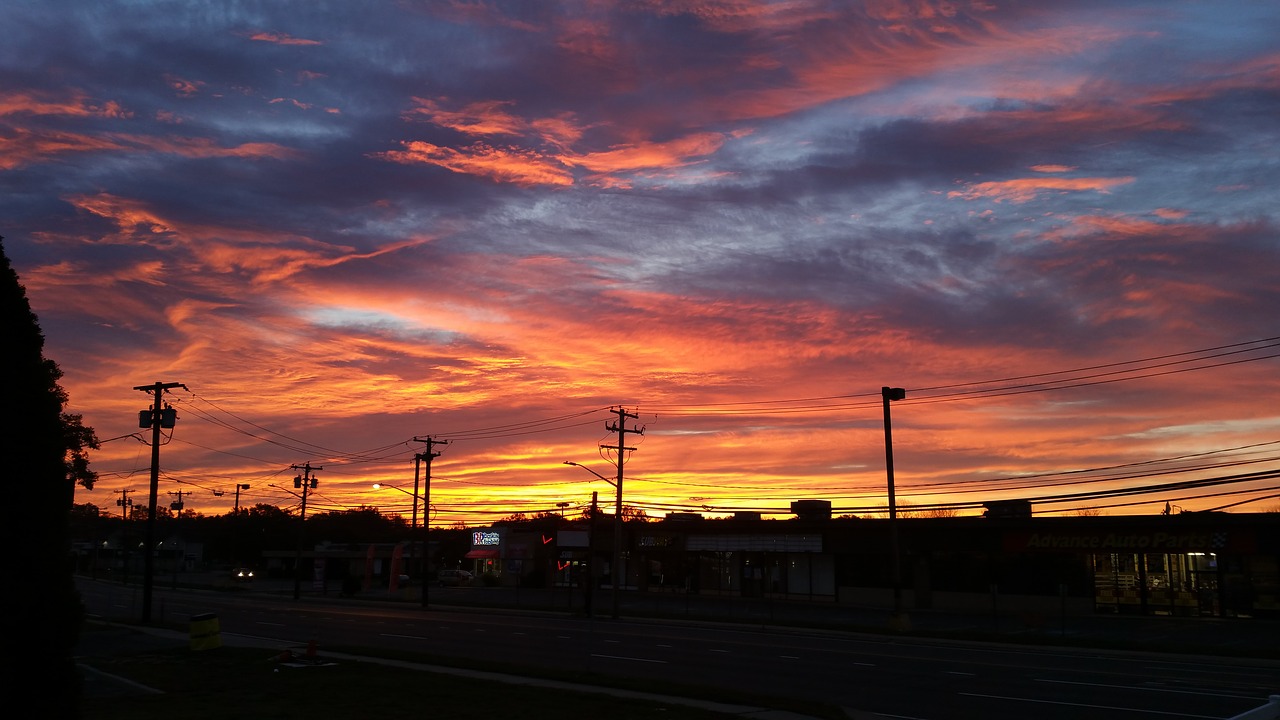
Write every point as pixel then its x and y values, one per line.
pixel 413 523
pixel 617 529
pixel 899 620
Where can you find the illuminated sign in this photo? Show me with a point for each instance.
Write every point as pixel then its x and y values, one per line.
pixel 490 539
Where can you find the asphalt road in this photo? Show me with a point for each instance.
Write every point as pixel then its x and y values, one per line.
pixel 901 677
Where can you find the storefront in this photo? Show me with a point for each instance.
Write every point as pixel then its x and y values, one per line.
pixel 1207 565
pixel 486 553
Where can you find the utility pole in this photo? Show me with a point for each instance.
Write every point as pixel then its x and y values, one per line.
pixel 239 487
pixel 176 507
pixel 125 503
pixel 620 427
pixel 426 455
pixel 154 418
pixel 306 481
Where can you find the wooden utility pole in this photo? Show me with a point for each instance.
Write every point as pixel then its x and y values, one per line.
pixel 426 455
pixel 306 481
pixel 620 427
pixel 156 417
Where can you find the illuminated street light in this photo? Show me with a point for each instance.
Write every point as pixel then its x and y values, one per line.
pixel 414 522
pixel 617 532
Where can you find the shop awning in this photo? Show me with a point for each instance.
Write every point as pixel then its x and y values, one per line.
pixel 478 554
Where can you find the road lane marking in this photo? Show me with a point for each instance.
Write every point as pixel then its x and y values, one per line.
pixel 634 659
pixel 1140 687
pixel 1097 707
pixel 957 672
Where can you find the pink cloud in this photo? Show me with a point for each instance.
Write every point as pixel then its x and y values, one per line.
pixel 1024 190
pixel 513 165
pixel 282 39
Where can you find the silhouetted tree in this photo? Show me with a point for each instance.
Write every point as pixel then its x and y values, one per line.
pixel 46 614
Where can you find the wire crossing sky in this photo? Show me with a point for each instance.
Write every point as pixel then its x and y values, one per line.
pixel 343 227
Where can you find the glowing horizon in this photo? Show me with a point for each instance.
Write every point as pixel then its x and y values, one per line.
pixel 491 223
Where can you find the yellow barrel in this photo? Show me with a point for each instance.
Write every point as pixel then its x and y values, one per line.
pixel 205 634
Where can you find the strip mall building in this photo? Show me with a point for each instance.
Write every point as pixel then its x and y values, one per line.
pixel 1190 564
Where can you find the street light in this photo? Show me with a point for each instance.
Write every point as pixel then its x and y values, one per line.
pixel 414 522
pixel 899 619
pixel 617 531
pixel 413 526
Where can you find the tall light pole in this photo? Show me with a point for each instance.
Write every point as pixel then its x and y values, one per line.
pixel 239 487
pixel 899 619
pixel 413 524
pixel 617 530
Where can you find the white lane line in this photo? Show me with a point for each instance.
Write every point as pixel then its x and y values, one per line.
pixel 957 672
pixel 633 659
pixel 406 637
pixel 1098 707
pixel 789 657
pixel 719 651
pixel 1147 689
pixel 272 624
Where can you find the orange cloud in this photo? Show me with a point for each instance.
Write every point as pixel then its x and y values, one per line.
pixel 1024 190
pixel 76 105
pixel 680 151
pixel 185 88
pixel 24 147
pixel 521 167
pixel 490 117
pixel 282 39
pixel 480 118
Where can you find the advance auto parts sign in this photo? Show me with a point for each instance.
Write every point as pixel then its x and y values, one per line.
pixel 1169 542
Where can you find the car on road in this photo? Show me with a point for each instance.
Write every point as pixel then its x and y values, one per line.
pixel 455 577
pixel 242 574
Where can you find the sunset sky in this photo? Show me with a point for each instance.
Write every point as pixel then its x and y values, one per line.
pixel 346 226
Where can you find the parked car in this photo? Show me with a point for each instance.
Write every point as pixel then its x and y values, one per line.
pixel 456 577
pixel 242 574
